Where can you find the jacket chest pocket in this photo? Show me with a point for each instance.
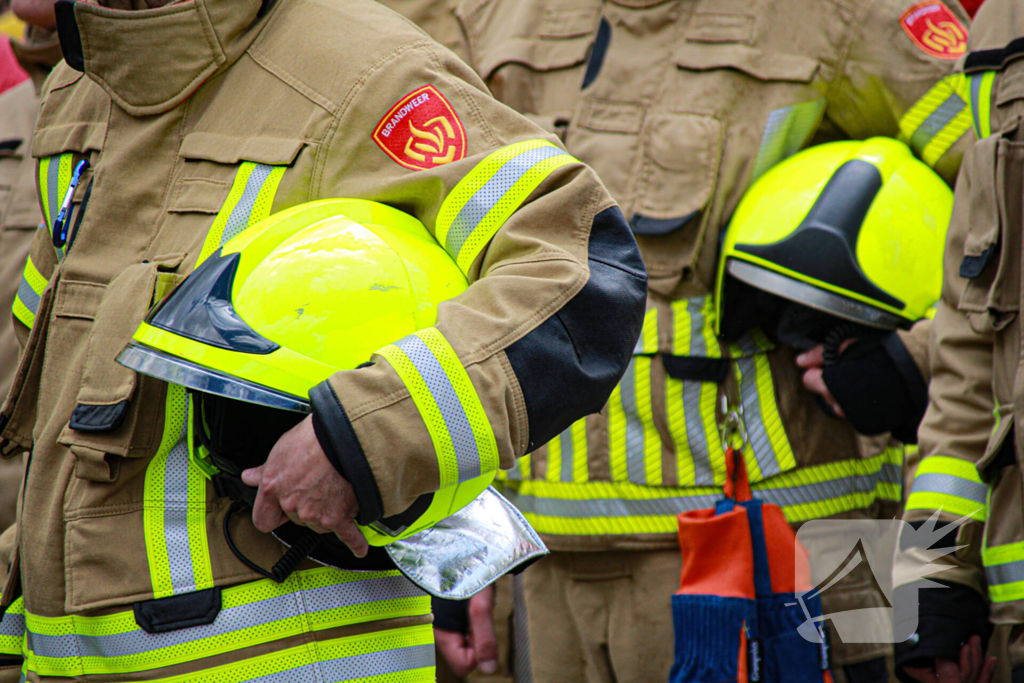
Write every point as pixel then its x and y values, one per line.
pixel 117 412
pixel 535 67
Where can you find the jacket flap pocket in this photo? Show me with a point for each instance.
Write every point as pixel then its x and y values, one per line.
pixel 766 66
pixel 681 156
pixel 107 387
pixel 539 54
pixel 991 253
pixel 229 149
pixel 69 137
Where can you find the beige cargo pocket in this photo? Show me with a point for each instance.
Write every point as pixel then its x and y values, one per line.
pixel 116 413
pixel 536 69
pixel 991 261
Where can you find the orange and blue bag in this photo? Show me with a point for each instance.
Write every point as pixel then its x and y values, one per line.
pixel 743 595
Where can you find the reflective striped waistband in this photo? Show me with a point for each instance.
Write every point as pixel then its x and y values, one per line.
pixel 607 508
pixel 251 614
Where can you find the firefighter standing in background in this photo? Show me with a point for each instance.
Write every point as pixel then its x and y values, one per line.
pixel 682 106
pixel 970 466
pixel 36 52
pixel 154 145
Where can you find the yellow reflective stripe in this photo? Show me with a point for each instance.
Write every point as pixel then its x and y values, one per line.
pixel 937 120
pixel 12 629
pixel 30 291
pixel 769 452
pixel 692 422
pixel 648 341
pixel 567 454
pixel 951 485
pixel 251 614
pixel 54 180
pixel 693 323
pixel 981 102
pixel 1004 570
pixel 403 655
pixel 611 508
pixel 617 434
pixel 174 514
pixel 651 448
pixel 485 198
pixel 827 489
pixel 249 201
pixel 448 403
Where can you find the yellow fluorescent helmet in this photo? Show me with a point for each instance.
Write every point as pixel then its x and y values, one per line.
pixel 853 229
pixel 297 297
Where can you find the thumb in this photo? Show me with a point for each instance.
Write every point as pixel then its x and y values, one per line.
pixel 254 476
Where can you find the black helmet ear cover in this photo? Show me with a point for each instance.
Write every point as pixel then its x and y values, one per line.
pixel 874 383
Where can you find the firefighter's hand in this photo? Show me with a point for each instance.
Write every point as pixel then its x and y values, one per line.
pixel 813 364
pixel 465 652
pixel 972 667
pixel 300 484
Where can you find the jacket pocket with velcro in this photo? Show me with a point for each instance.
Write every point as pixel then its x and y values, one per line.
pixel 991 261
pixel 117 412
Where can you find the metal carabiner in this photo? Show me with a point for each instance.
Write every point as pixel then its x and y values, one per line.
pixel 733 425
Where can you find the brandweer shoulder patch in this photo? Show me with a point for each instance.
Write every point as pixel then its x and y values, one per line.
pixel 935 29
pixel 422 131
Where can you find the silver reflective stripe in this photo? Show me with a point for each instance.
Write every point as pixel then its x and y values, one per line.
pixel 12 625
pixel 610 507
pixel 635 468
pixel 377 663
pixel 55 196
pixel 936 121
pixel 565 440
pixel 785 133
pixel 1010 572
pixel 947 484
pixel 822 491
pixel 179 554
pixel 464 442
pixel 230 620
pixel 485 199
pixel 28 296
pixel 703 472
pixel 760 442
pixel 698 345
pixel 238 221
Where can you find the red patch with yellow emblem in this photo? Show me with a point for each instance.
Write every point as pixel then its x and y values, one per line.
pixel 422 131
pixel 935 29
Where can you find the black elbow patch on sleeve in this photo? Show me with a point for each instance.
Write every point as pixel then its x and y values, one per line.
pixel 341 446
pixel 568 366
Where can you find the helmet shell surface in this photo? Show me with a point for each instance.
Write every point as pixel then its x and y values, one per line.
pixel 301 295
pixel 856 229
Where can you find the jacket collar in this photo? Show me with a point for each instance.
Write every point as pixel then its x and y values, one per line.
pixel 151 60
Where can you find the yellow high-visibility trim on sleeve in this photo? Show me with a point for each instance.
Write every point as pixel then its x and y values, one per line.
pixel 12 630
pixel 951 485
pixel 448 403
pixel 1004 571
pixel 937 120
pixel 490 193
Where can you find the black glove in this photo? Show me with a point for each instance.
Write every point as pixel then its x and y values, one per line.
pixel 450 615
pixel 879 388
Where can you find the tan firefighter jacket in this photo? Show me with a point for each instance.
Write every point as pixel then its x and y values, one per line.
pixel 436 17
pixel 199 119
pixel 969 447
pixel 683 104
